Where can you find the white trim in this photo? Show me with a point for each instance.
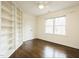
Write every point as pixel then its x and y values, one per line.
pixel 13 50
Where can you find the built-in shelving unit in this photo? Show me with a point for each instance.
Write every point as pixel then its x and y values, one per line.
pixel 7 26
pixel 18 17
pixel 10 27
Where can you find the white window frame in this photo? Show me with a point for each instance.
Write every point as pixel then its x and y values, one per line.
pixel 54 26
pixel 48 25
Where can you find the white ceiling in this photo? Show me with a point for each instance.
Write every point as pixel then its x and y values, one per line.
pixel 31 7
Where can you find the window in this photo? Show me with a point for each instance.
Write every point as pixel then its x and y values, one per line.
pixel 55 26
pixel 49 26
pixel 60 25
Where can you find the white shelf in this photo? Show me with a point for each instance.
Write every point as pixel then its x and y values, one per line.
pixel 7 18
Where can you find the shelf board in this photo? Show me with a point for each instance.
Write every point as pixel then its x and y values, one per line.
pixel 6 34
pixel 7 18
pixel 2 26
pixel 5 26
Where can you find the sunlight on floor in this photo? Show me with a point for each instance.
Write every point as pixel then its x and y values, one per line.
pixel 48 52
pixel 51 52
pixel 59 54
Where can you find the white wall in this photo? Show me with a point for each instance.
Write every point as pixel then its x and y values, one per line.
pixel 28 27
pixel 72 27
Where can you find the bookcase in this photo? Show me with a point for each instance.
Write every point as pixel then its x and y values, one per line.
pixel 18 24
pixel 10 28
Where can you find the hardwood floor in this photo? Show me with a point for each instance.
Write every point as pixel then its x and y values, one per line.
pixel 42 49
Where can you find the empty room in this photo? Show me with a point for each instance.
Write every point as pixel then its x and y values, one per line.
pixel 39 29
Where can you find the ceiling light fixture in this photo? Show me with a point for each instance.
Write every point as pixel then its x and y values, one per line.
pixel 40 6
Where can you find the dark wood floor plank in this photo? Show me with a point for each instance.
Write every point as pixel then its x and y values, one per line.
pixel 37 48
